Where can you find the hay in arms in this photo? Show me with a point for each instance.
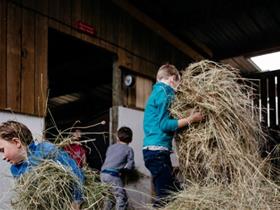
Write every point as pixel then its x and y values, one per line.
pixel 219 157
pixel 49 186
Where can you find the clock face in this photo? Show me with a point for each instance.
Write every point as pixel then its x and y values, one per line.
pixel 128 80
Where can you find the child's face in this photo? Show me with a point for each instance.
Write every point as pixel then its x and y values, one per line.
pixel 174 83
pixel 13 151
pixel 77 135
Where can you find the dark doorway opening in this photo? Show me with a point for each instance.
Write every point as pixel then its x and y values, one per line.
pixel 80 89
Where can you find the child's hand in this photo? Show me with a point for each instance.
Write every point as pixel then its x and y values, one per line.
pixel 75 206
pixel 195 117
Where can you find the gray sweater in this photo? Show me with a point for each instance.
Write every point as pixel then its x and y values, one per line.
pixel 119 156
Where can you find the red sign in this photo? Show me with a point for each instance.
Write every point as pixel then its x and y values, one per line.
pixel 85 27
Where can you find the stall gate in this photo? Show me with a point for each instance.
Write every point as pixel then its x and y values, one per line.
pixel 266 97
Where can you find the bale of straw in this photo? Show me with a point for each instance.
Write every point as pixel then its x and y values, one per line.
pixel 49 186
pixel 220 158
pixel 226 144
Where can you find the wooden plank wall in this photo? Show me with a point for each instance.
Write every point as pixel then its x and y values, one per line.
pixel 3 54
pixel 23 59
pixel 24 39
pixel 14 31
pixel 143 90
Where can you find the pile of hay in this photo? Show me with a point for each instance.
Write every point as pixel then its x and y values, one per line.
pixel 219 157
pixel 95 192
pixel 227 197
pixel 49 186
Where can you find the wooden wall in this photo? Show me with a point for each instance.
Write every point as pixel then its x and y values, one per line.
pixel 24 40
pixel 23 64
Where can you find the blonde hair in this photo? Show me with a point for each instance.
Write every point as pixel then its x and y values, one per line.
pixel 166 71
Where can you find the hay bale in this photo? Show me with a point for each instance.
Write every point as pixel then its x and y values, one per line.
pixel 220 158
pixel 226 144
pixel 49 186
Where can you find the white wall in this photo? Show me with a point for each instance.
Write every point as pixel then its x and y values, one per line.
pixel 139 193
pixel 36 125
pixel 134 120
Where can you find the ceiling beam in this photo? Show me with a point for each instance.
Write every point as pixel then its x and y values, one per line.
pixel 160 30
pixel 200 45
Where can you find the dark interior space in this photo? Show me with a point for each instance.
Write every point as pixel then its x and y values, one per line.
pixel 226 28
pixel 80 89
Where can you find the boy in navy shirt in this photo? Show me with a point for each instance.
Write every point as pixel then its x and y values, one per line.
pixel 119 158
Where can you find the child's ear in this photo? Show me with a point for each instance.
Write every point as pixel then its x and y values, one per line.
pixel 17 142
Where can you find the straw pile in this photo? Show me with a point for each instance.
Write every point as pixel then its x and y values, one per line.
pixel 49 186
pixel 95 192
pixel 219 157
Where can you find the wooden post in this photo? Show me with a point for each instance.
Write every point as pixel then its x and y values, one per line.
pixel 3 54
pixel 117 85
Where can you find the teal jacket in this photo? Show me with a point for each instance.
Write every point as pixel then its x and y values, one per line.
pixel 159 126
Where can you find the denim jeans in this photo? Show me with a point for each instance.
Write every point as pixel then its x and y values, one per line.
pixel 117 190
pixel 159 164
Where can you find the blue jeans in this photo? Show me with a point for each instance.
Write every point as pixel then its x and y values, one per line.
pixel 159 164
pixel 117 190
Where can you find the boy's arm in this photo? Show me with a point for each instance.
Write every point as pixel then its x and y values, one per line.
pixel 66 160
pixel 166 122
pixel 130 160
pixel 194 117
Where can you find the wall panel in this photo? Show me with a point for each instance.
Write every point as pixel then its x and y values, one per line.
pixel 14 32
pixel 27 62
pixel 41 65
pixel 3 54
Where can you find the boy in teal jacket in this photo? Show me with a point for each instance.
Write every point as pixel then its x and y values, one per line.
pixel 159 130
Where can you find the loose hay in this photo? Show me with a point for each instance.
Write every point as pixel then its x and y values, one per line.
pixel 220 158
pixel 49 186
pixel 222 197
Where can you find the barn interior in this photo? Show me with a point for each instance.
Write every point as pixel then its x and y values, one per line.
pixel 80 91
pixel 80 74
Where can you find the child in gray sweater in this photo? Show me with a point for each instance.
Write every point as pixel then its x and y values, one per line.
pixel 119 158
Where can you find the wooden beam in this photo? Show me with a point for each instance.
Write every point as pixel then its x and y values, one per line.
pixel 200 45
pixel 157 28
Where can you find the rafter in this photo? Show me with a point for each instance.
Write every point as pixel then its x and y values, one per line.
pixel 157 28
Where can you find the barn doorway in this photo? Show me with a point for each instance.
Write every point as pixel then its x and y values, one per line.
pixel 80 90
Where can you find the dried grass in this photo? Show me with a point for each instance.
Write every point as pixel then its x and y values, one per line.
pixel 230 197
pixel 49 186
pixel 220 157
